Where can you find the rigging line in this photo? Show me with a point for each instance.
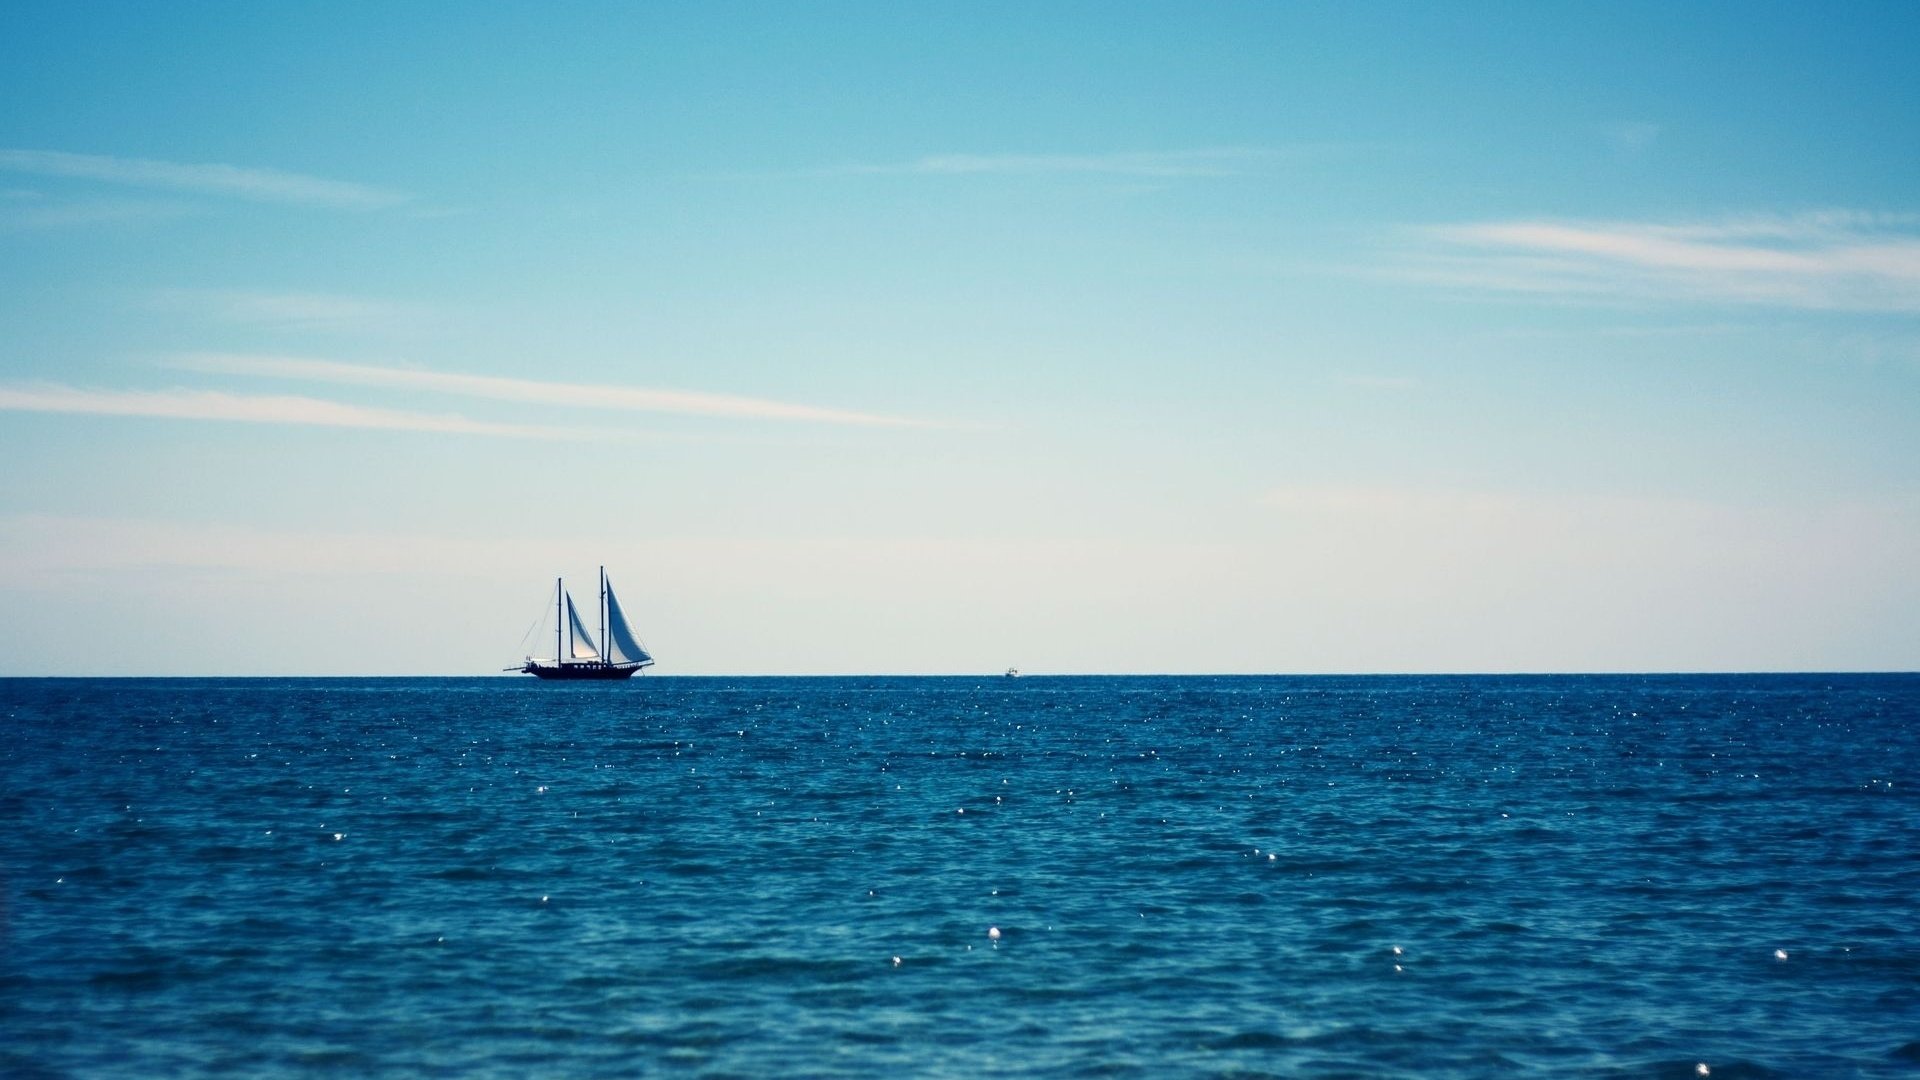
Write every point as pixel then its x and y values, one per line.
pixel 537 621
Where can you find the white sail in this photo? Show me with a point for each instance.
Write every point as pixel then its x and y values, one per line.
pixel 582 647
pixel 624 648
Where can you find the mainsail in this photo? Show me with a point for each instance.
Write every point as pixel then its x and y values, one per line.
pixel 621 643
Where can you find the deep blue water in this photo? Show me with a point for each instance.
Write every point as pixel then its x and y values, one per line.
pixel 1313 877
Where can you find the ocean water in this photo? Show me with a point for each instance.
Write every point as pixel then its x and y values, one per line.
pixel 1297 877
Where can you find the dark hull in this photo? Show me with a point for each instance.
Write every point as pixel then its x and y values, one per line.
pixel 581 671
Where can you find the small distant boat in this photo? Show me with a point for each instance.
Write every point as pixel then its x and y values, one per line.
pixel 1013 673
pixel 575 655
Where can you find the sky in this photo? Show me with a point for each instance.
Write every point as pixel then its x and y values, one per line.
pixel 938 338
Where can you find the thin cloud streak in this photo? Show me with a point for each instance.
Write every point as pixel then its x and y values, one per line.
pixel 531 391
pixel 1834 260
pixel 233 181
pixel 27 214
pixel 291 310
pixel 1163 164
pixel 35 547
pixel 255 409
pixel 1395 383
pixel 1632 137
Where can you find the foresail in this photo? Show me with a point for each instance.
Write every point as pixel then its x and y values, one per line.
pixel 623 646
pixel 583 646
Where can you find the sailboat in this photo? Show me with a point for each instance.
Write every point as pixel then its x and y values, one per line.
pixel 617 654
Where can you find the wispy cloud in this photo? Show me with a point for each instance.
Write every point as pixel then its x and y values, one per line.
pixel 532 391
pixel 37 550
pixel 1166 164
pixel 1393 383
pixel 180 404
pixel 1631 137
pixel 290 310
pixel 231 181
pixel 25 211
pixel 1834 260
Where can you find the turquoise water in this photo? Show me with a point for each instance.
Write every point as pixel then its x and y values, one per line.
pixel 1364 877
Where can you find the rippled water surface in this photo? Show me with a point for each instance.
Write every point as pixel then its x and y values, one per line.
pixel 1419 877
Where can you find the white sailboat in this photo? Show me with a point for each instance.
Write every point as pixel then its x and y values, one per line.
pixel 614 654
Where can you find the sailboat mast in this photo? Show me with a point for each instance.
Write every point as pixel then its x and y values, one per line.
pixel 559 619
pixel 604 654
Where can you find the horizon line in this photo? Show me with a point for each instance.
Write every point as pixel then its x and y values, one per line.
pixel 1625 674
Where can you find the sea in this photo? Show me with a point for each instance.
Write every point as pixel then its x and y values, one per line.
pixel 1432 877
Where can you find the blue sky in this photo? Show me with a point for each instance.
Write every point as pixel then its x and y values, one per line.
pixel 938 338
